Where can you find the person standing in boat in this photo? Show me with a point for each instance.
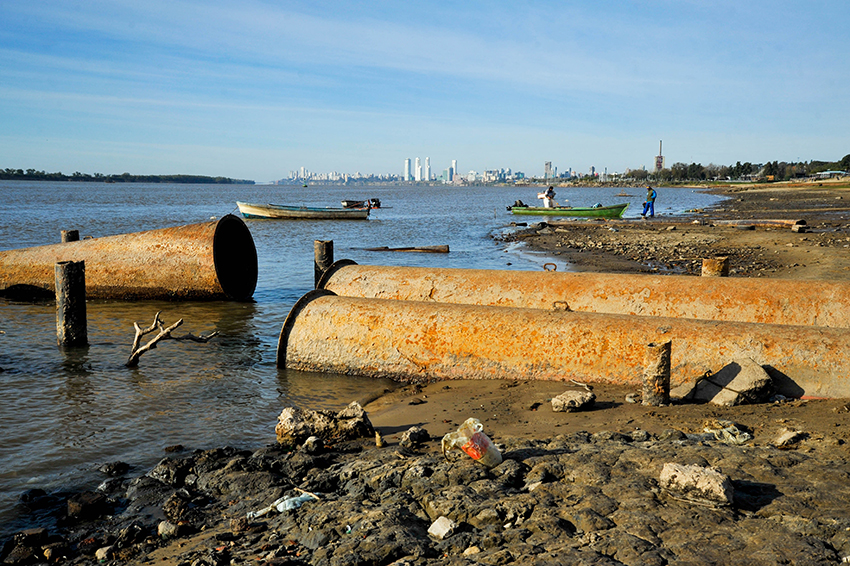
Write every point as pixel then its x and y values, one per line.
pixel 649 205
pixel 548 197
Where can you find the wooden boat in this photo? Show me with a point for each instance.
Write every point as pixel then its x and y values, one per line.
pixel 282 211
pixel 613 211
pixel 371 203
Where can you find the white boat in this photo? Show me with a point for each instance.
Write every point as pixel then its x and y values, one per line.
pixel 282 211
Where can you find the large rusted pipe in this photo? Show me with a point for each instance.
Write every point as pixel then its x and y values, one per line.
pixel 773 301
pixel 415 341
pixel 211 260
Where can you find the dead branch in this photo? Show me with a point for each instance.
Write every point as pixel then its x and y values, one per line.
pixel 164 334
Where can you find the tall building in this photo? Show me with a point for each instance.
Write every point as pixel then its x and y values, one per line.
pixel 427 168
pixel 454 168
pixel 659 159
pixel 547 170
pixel 408 176
pixel 418 170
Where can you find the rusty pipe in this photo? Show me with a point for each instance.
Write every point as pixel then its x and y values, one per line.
pixel 211 260
pixel 413 341
pixel 772 301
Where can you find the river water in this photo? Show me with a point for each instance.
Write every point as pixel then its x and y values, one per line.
pixel 63 413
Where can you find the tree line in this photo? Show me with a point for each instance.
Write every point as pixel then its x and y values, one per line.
pixel 775 171
pixel 33 175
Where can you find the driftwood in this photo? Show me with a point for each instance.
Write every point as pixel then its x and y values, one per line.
pixel 164 334
pixel 443 249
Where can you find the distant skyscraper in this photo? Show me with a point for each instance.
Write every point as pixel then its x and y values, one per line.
pixel 418 170
pixel 547 170
pixel 454 168
pixel 408 176
pixel 659 159
pixel 427 168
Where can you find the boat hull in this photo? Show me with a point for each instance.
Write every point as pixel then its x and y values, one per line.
pixel 613 211
pixel 285 212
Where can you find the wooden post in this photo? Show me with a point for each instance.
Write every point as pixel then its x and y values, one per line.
pixel 70 236
pixel 656 376
pixel 71 326
pixel 323 252
pixel 717 266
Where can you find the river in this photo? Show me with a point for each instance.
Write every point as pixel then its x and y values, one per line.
pixel 63 413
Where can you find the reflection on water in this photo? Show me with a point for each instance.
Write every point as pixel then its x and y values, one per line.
pixel 63 412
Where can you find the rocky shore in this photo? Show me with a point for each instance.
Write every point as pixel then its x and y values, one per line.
pixel 615 483
pixel 580 497
pixel 737 229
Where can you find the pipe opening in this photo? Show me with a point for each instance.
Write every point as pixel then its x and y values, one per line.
pixel 235 258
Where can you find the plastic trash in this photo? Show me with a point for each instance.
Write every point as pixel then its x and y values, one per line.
pixel 283 504
pixel 471 439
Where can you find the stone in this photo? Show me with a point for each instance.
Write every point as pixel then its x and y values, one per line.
pixel 788 438
pixel 702 485
pixel 739 382
pixel 414 437
pixel 166 529
pixel 103 553
pixel 88 505
pixel 442 528
pixel 572 401
pixel 296 425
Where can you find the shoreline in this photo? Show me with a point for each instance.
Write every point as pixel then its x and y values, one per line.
pixel 580 487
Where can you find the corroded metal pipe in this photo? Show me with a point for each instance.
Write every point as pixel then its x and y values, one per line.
pixel 773 301
pixel 414 341
pixel 211 260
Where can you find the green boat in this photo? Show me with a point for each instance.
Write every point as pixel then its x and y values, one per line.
pixel 613 211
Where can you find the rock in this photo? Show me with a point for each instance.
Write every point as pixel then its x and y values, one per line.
pixel 166 529
pixel 739 382
pixel 442 528
pixel 296 425
pixel 702 485
pixel 789 438
pixel 313 445
pixel 88 505
pixel 115 469
pixel 104 553
pixel 572 401
pixel 414 437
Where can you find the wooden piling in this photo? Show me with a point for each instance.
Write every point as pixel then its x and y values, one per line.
pixel 323 253
pixel 70 236
pixel 71 326
pixel 656 376
pixel 717 266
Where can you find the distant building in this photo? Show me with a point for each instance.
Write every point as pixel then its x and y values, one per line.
pixel 659 159
pixel 547 170
pixel 454 168
pixel 418 170
pixel 408 175
pixel 427 168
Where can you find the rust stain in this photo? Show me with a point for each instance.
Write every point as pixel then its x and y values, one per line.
pixel 774 301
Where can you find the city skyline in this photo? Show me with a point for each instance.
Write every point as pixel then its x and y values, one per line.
pixel 256 89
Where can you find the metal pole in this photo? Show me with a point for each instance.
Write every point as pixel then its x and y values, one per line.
pixel 70 236
pixel 323 253
pixel 71 327
pixel 715 267
pixel 656 375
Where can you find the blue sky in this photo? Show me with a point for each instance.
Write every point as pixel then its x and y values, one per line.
pixel 254 89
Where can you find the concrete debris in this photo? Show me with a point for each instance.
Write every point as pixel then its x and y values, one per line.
pixel 442 528
pixel 789 439
pixel 572 401
pixel 297 425
pixel 697 484
pixel 738 383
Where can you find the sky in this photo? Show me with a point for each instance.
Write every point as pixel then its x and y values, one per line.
pixel 258 88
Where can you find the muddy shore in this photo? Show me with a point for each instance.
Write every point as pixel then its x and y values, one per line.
pixel 574 488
